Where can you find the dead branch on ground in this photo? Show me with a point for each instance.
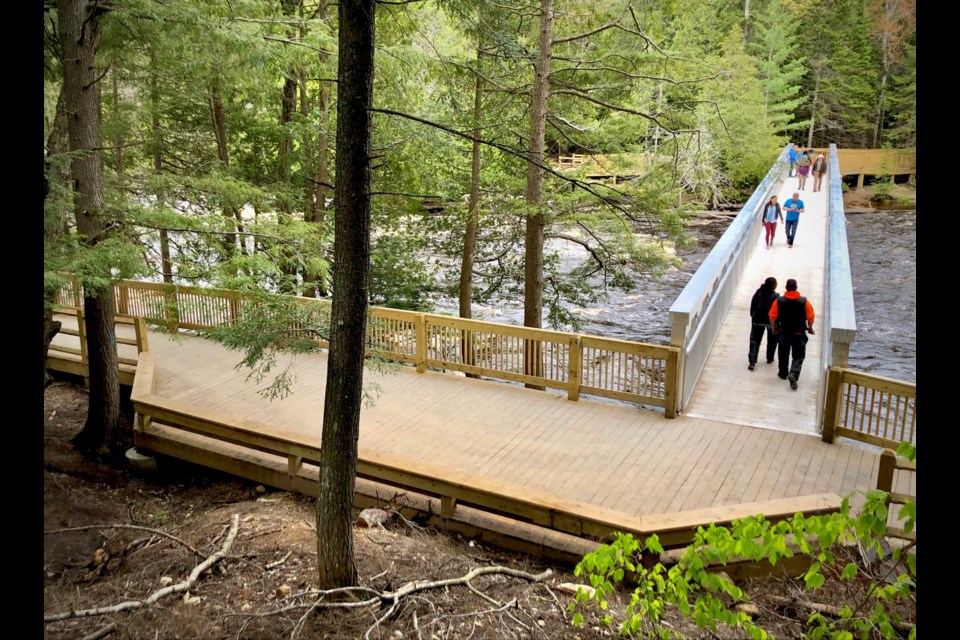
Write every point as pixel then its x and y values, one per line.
pixel 156 532
pixel 156 595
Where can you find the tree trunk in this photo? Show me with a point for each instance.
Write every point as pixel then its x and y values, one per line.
pixel 315 286
pixel 470 235
pixel 288 104
pixel 55 183
pixel 50 329
pixel 348 320
pixel 166 264
pixel 533 259
pixel 746 21
pixel 813 102
pixel 79 35
pixel 223 153
pixel 117 135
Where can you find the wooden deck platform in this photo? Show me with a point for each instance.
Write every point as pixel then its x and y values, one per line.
pixel 613 456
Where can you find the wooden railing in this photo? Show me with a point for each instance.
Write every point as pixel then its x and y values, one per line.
pixel 872 409
pixel 65 358
pixel 629 371
pixel 890 464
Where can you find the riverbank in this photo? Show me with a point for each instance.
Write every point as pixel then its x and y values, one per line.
pixel 880 197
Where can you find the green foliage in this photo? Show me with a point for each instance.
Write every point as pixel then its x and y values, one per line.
pixel 707 598
pixel 399 279
pixel 778 49
pixel 272 326
pixel 741 120
pixel 843 78
pixel 685 93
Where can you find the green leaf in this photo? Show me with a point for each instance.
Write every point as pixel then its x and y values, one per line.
pixel 577 619
pixel 813 580
pixel 849 571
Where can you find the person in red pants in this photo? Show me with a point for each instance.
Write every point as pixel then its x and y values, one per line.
pixel 769 214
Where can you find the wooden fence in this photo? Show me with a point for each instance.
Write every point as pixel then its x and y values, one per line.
pixel 891 464
pixel 872 409
pixel 74 360
pixel 618 369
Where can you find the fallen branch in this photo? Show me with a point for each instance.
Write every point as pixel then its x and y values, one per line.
pixel 174 588
pixel 271 565
pixel 395 597
pixel 102 632
pixel 156 532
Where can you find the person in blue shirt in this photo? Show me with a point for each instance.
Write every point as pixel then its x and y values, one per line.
pixel 793 207
pixel 793 157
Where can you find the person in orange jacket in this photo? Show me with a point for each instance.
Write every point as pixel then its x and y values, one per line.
pixel 791 316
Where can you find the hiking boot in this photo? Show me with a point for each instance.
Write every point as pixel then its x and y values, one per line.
pixel 769 360
pixel 782 376
pixel 751 365
pixel 793 381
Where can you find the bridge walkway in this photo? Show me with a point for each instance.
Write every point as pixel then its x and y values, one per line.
pixel 727 392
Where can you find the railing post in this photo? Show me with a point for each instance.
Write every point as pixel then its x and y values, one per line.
pixel 234 307
pixel 421 328
pixel 831 404
pixel 82 334
pixel 673 382
pixel 123 299
pixel 140 327
pixel 575 364
pixel 888 461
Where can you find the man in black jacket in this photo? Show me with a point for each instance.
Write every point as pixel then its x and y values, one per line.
pixel 760 318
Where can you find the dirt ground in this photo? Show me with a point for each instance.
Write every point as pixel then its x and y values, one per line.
pixel 260 589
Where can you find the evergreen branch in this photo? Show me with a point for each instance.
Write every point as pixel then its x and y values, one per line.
pixel 587 34
pixel 523 155
pixel 614 107
pixel 299 44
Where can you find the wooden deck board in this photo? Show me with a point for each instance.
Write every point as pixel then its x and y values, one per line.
pixel 663 471
pixel 745 465
pixel 603 444
pixel 696 446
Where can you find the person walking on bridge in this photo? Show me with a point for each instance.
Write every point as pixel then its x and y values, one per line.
pixel 819 168
pixel 760 305
pixel 792 158
pixel 794 207
pixel 791 316
pixel 803 170
pixel 769 215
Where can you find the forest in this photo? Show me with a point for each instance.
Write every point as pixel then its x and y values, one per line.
pixel 216 134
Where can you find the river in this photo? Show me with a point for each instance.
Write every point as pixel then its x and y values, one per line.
pixel 883 260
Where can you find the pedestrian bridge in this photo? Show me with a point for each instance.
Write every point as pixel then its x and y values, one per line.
pixel 626 436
